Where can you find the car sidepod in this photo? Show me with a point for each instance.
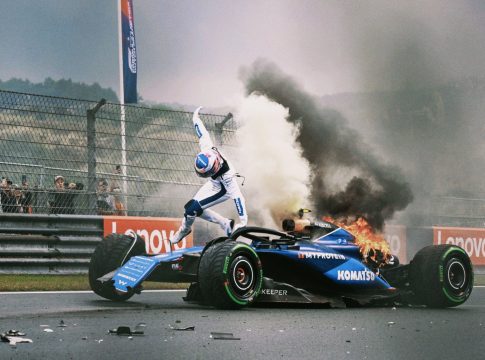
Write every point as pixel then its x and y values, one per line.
pixel 314 273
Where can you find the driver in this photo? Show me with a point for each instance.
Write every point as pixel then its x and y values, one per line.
pixel 221 186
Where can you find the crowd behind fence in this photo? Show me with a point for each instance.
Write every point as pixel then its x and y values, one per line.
pixel 142 156
pixel 67 156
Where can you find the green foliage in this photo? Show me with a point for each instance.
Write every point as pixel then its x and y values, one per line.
pixel 63 88
pixel 24 282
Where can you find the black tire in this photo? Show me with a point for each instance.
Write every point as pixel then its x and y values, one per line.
pixel 230 275
pixel 110 254
pixel 441 276
pixel 204 273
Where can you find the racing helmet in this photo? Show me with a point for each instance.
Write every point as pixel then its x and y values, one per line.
pixel 208 163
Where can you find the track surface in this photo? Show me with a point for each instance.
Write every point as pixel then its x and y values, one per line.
pixel 265 333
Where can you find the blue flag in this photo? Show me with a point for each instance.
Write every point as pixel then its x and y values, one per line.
pixel 129 51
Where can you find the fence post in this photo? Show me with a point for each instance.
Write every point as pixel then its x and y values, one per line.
pixel 220 128
pixel 41 197
pixel 91 134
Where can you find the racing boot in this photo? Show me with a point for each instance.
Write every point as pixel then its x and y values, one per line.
pixel 184 230
pixel 225 224
pixel 229 227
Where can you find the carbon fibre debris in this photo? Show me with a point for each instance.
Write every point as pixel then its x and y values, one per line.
pixel 223 336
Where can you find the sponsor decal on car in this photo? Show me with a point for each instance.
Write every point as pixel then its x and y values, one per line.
pixel 274 292
pixel 126 277
pixel 355 275
pixel 322 224
pixel 320 255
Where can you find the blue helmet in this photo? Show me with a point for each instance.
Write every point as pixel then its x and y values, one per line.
pixel 208 163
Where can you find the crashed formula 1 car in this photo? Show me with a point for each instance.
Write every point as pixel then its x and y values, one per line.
pixel 315 263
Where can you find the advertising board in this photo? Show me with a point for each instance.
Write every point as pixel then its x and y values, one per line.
pixel 155 231
pixel 472 240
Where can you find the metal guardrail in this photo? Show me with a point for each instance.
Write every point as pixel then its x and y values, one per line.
pixel 48 244
pixel 63 244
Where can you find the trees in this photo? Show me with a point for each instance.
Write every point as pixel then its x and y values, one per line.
pixel 64 88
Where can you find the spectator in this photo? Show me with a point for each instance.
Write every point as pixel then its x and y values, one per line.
pixel 3 184
pixel 118 202
pixel 115 189
pixel 27 197
pixel 114 181
pixel 105 201
pixel 63 197
pixel 9 202
pixel 17 193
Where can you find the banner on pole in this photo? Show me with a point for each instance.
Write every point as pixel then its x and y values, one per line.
pixel 129 51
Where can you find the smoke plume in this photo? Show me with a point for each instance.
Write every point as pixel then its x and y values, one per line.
pixel 270 159
pixel 346 178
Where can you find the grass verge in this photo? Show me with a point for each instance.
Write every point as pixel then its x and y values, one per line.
pixel 64 282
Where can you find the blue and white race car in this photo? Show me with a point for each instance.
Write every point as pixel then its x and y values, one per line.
pixel 318 264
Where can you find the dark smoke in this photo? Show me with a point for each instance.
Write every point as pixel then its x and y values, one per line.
pixel 329 144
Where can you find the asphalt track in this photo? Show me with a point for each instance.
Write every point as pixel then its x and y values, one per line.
pixel 264 333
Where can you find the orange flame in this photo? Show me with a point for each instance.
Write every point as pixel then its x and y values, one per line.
pixel 372 244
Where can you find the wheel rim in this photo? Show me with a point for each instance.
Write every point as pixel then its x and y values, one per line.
pixel 456 274
pixel 242 275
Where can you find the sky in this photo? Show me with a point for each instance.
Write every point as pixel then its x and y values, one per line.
pixel 192 52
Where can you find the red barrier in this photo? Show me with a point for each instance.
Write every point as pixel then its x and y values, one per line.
pixel 472 240
pixel 155 231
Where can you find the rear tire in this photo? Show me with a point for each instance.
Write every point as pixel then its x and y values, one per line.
pixel 110 254
pixel 230 275
pixel 441 276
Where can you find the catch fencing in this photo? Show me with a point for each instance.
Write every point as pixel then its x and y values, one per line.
pixel 140 157
pixel 458 211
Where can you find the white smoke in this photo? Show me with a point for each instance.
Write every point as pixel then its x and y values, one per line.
pixel 268 155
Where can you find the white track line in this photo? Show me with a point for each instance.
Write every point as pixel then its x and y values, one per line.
pixel 76 292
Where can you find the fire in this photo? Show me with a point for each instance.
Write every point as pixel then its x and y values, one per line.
pixel 373 247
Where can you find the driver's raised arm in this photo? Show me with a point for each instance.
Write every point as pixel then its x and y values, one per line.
pixel 205 140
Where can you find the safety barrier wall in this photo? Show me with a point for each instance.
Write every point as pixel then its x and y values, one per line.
pixel 63 244
pixel 48 244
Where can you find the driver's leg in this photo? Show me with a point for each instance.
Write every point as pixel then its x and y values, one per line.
pixel 212 216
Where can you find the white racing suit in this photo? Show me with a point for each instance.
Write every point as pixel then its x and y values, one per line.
pixel 220 187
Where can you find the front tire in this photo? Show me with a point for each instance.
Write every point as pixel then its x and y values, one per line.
pixel 109 255
pixel 441 276
pixel 230 275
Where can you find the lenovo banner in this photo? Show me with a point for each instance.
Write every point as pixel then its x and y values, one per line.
pixel 472 240
pixel 155 231
pixel 396 238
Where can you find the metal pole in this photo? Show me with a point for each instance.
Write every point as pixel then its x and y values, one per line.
pixel 91 133
pixel 122 103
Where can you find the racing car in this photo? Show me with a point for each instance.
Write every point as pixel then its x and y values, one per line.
pixel 318 263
